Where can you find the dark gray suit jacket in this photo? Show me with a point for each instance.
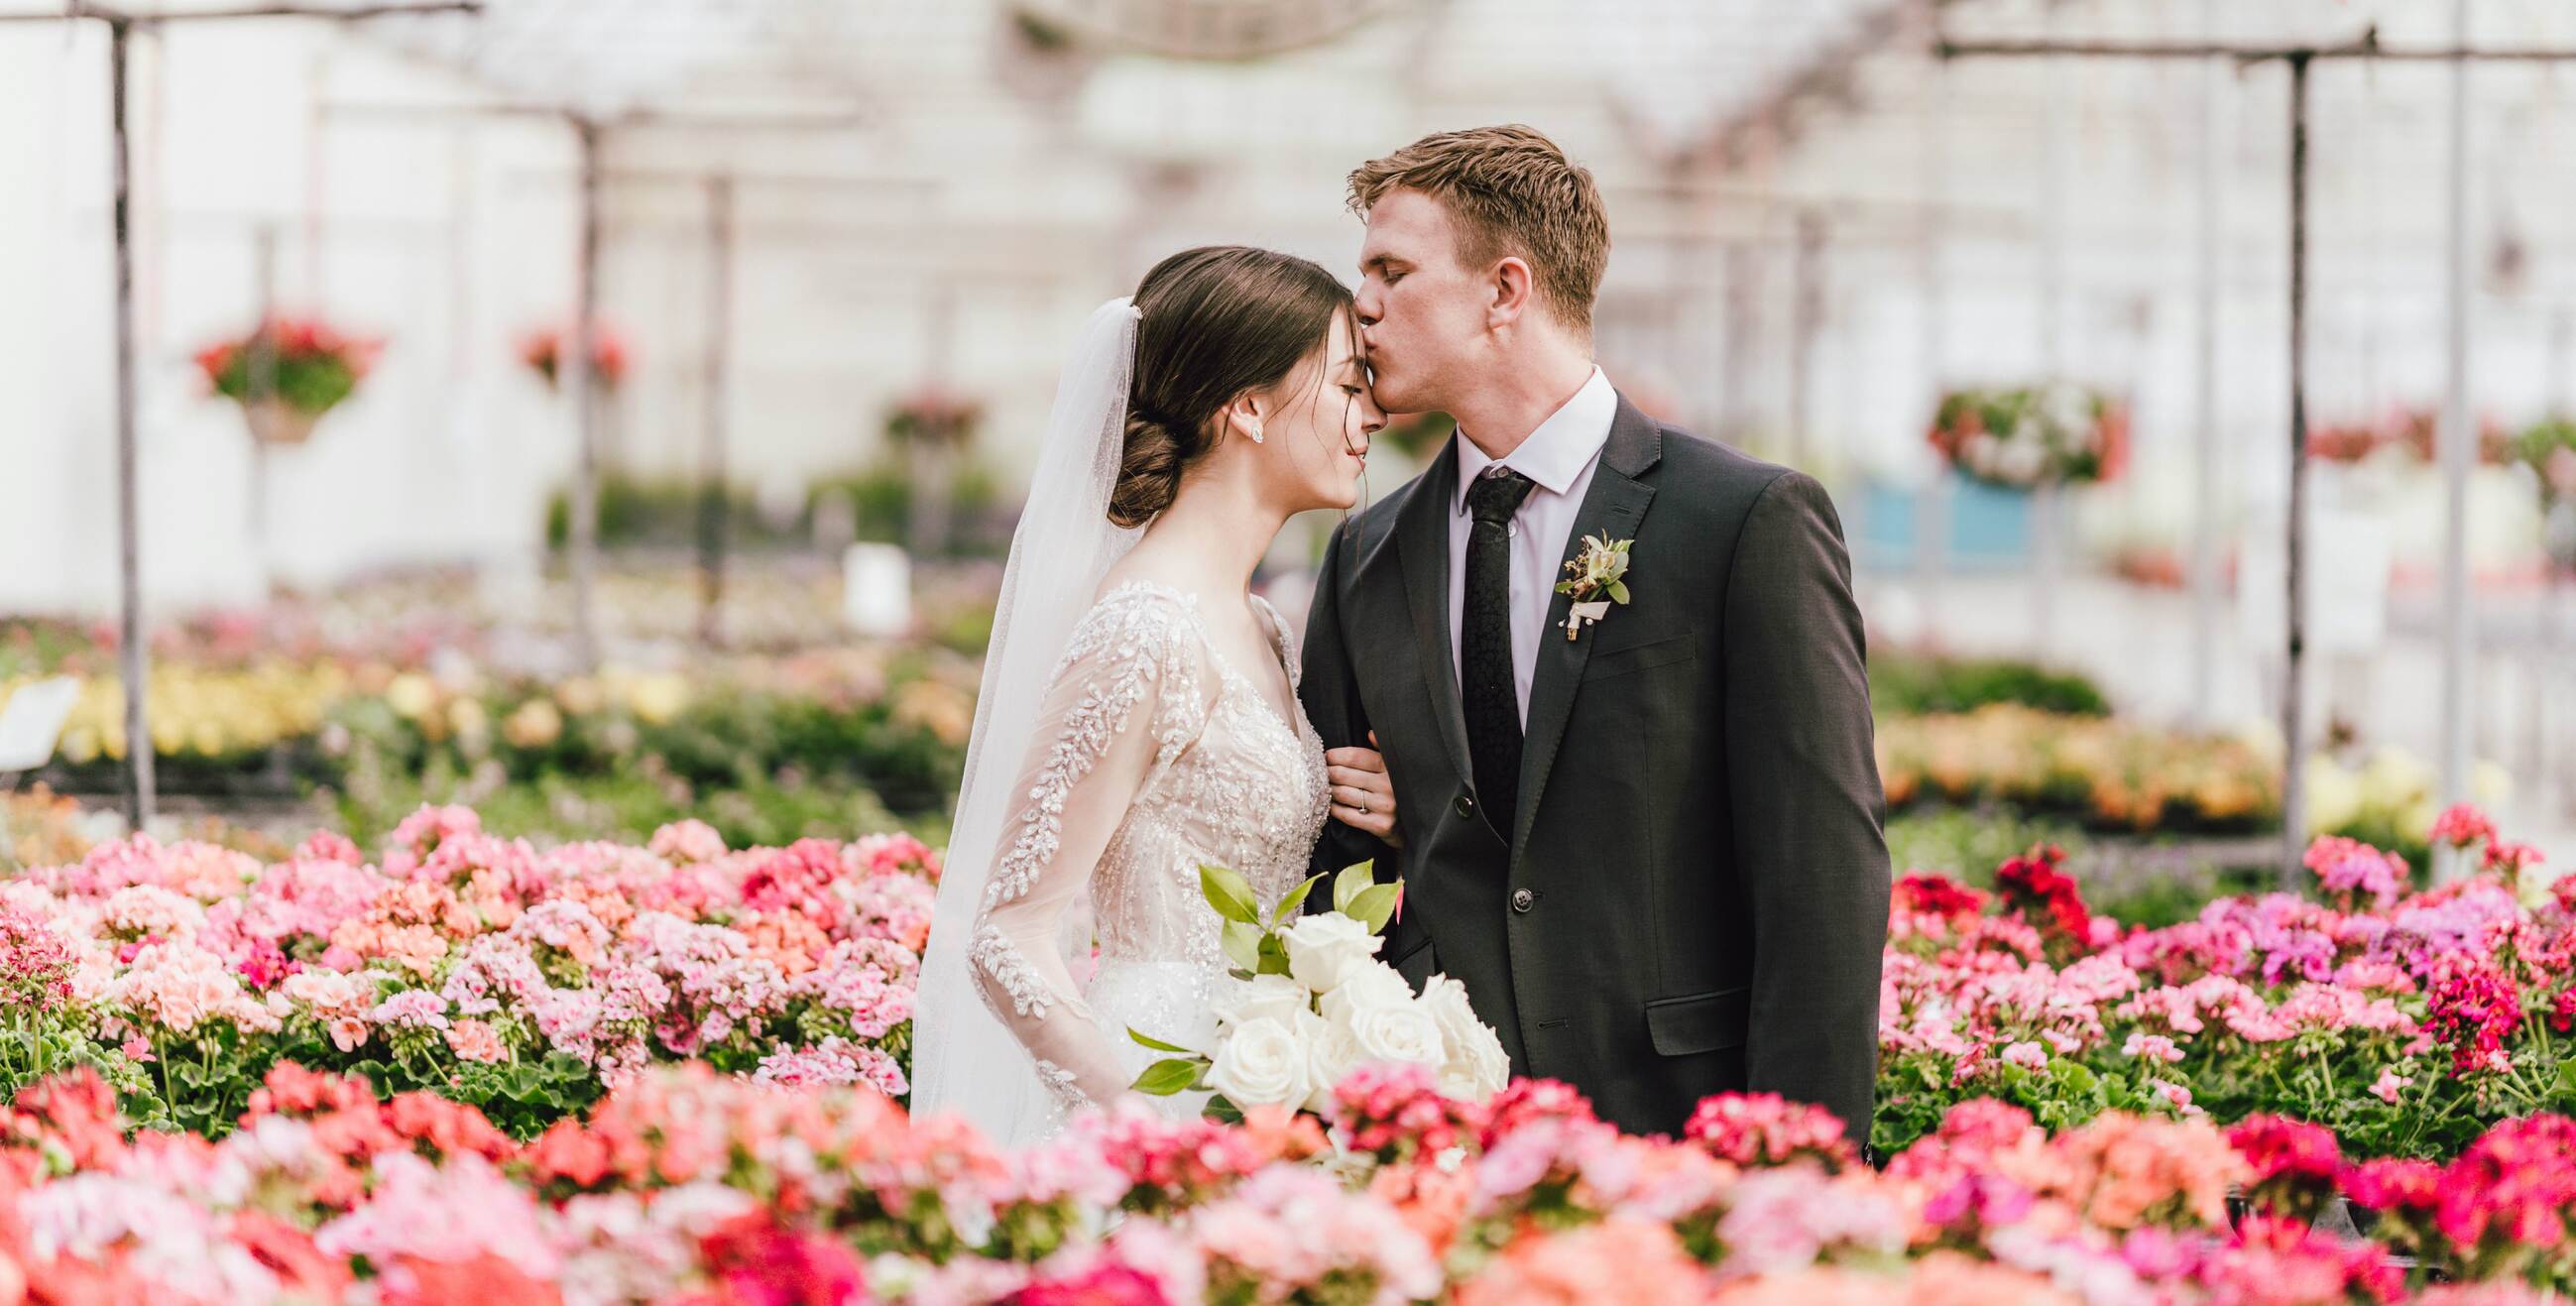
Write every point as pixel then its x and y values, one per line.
pixel 1693 894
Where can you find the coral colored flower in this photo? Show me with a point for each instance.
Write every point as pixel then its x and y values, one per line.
pixel 2462 825
pixel 1765 1129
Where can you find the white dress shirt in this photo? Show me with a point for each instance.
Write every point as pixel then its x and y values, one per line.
pixel 1559 458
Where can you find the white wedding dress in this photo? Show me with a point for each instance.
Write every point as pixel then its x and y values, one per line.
pixel 1152 757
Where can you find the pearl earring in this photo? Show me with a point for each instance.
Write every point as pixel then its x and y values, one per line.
pixel 1255 434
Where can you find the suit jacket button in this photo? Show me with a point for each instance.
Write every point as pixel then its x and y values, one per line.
pixel 1465 806
pixel 1521 900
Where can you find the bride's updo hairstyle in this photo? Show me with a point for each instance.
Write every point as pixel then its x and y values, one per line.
pixel 1214 323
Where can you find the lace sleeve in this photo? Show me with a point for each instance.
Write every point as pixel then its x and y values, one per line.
pixel 1125 701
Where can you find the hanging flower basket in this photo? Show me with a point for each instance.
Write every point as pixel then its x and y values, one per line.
pixel 308 366
pixel 542 349
pixel 933 418
pixel 2549 449
pixel 274 421
pixel 2413 430
pixel 2022 439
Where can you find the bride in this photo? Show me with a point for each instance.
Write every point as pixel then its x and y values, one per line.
pixel 1139 714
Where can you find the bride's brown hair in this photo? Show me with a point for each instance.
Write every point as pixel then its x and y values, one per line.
pixel 1214 322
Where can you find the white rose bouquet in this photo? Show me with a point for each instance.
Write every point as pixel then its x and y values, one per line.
pixel 1308 1002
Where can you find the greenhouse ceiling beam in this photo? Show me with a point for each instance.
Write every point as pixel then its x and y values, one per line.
pixel 132 651
pixel 2300 59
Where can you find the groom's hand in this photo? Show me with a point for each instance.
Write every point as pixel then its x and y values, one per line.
pixel 1363 795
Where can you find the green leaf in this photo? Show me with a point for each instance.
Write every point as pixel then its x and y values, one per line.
pixel 1376 905
pixel 1158 1045
pixel 1164 1078
pixel 1274 955
pixel 1296 898
pixel 1242 942
pixel 1229 894
pixel 1618 591
pixel 1349 884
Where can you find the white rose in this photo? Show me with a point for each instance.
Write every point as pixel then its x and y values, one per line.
pixel 1374 984
pixel 1273 997
pixel 1405 1033
pixel 1324 950
pixel 1487 1067
pixel 1458 1080
pixel 1445 1000
pixel 1262 1063
pixel 1331 1055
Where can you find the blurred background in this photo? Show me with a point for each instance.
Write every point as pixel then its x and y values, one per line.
pixel 2029 318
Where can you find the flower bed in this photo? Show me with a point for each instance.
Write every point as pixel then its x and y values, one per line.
pixel 459 963
pixel 2102 772
pixel 688 1186
pixel 2405 1022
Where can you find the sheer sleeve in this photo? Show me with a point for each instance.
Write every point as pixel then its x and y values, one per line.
pixel 1125 701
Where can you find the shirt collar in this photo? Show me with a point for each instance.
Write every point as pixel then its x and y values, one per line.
pixel 1558 451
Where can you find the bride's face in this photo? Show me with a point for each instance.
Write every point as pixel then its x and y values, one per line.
pixel 1315 444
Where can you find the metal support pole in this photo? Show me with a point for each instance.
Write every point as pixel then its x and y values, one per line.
pixel 714 497
pixel 1932 536
pixel 2294 780
pixel 132 654
pixel 1807 312
pixel 263 385
pixel 574 366
pixel 2458 443
pixel 2205 442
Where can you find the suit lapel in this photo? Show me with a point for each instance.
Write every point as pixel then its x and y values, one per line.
pixel 1612 507
pixel 1422 547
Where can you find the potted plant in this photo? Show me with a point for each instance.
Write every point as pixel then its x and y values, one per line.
pixel 286 374
pixel 542 348
pixel 2032 436
pixel 931 429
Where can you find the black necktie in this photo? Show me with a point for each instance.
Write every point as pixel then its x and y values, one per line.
pixel 1486 687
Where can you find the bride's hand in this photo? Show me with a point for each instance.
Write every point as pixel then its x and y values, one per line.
pixel 1363 795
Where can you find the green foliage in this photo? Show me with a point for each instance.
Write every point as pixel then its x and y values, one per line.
pixel 1915 684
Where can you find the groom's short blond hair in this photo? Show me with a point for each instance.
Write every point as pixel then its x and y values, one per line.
pixel 1511 191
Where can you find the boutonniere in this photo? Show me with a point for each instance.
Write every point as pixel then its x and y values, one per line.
pixel 1595 580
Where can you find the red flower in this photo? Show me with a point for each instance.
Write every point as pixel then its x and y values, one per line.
pixel 1937 895
pixel 2034 889
pixel 2512 858
pixel 761 1264
pixel 1753 1129
pixel 1106 1284
pixel 2461 825
pixel 2295 1164
pixel 2393 1184
pixel 1396 1112
pixel 2473 1008
pixel 1524 1101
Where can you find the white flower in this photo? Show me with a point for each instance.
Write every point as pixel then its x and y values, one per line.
pixel 1324 950
pixel 1445 1000
pixel 1477 1066
pixel 1373 984
pixel 2021 462
pixel 1331 1055
pixel 1262 1062
pixel 1405 1033
pixel 1275 997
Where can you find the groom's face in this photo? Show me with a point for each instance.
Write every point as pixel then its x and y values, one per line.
pixel 1422 310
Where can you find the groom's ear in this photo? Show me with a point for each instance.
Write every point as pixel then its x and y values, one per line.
pixel 1513 289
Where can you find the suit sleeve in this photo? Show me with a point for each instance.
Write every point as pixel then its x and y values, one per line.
pixel 1331 695
pixel 1808 809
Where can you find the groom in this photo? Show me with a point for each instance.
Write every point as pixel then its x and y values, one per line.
pixel 1648 844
